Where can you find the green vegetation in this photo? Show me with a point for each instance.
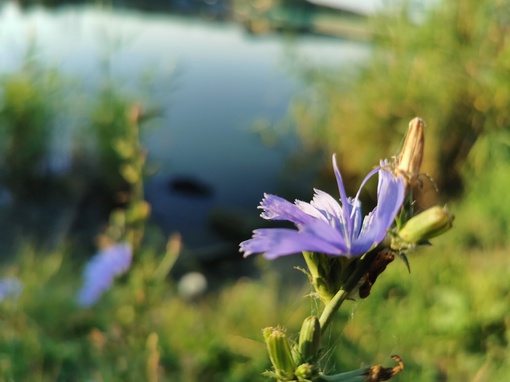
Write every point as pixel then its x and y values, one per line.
pixel 29 103
pixel 448 320
pixel 451 68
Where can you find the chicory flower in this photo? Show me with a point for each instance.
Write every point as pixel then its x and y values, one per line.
pixel 10 287
pixel 101 270
pixel 326 226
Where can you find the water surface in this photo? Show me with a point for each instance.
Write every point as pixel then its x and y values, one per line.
pixel 212 80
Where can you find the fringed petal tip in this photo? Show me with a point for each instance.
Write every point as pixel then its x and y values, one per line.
pixel 384 163
pixel 245 251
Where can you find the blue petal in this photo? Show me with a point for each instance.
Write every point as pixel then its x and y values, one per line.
pixel 308 209
pixel 276 242
pixel 356 217
pixel 101 270
pixel 276 208
pixel 329 234
pixel 390 195
pixel 10 287
pixel 328 207
pixel 343 199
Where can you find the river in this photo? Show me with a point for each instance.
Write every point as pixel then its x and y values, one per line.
pixel 212 79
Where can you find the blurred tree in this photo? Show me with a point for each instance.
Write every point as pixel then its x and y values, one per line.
pixel 449 64
pixel 27 106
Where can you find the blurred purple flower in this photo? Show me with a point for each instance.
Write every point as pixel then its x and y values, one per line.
pixel 10 287
pixel 326 226
pixel 101 270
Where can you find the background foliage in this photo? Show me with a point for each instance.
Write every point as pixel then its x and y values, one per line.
pixel 450 67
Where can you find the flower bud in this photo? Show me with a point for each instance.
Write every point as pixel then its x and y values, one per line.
pixel 280 352
pixel 408 162
pixel 309 339
pixel 305 372
pixel 426 225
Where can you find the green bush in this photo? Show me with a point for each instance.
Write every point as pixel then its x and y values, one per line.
pixel 482 216
pixel 451 68
pixel 27 123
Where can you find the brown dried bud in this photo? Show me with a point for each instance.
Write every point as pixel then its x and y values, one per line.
pixel 377 267
pixel 379 373
pixel 408 162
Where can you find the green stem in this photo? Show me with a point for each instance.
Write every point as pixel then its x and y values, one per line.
pixel 332 307
pixel 138 162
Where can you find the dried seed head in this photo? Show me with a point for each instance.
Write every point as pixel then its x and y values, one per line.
pixel 409 160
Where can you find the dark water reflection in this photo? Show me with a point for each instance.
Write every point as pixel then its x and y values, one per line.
pixel 212 81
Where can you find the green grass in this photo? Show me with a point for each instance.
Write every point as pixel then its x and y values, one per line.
pixel 448 319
